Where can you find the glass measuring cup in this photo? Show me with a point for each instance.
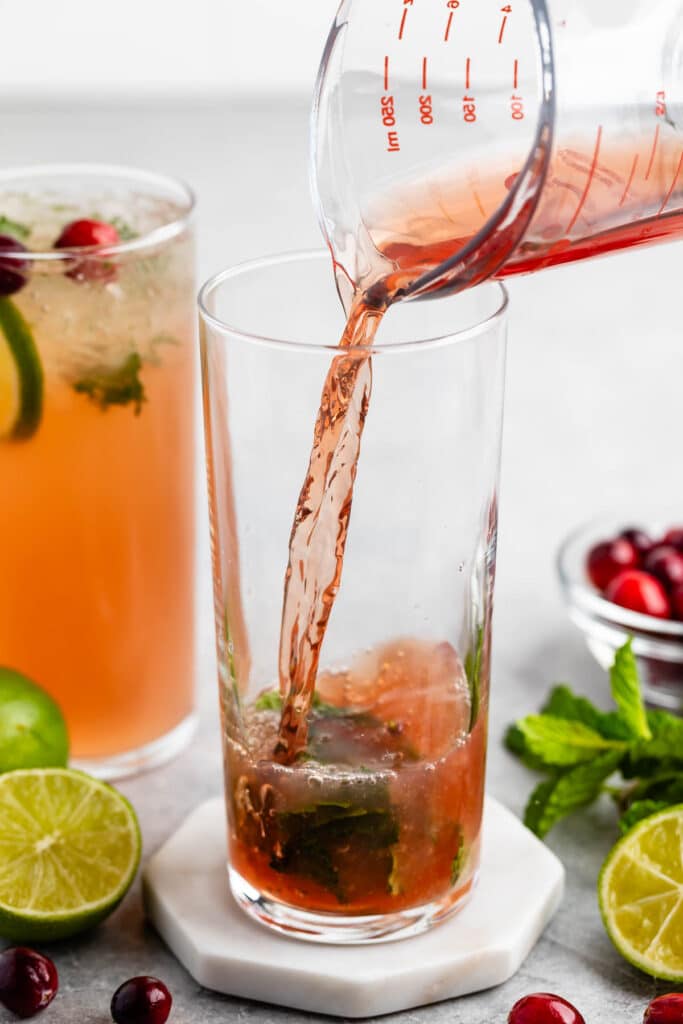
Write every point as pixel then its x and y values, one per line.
pixel 455 140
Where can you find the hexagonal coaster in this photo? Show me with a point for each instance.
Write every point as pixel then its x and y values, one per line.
pixel 189 901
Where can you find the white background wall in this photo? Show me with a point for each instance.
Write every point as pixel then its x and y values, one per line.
pixel 95 50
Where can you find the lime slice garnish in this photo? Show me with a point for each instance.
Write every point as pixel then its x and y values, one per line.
pixel 69 849
pixel 21 376
pixel 32 728
pixel 640 892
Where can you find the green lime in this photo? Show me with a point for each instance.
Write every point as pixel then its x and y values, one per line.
pixel 69 849
pixel 640 891
pixel 21 376
pixel 32 728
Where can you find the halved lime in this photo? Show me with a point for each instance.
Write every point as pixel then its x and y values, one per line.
pixel 32 728
pixel 640 891
pixel 21 376
pixel 69 849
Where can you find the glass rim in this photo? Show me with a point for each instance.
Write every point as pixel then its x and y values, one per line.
pixel 150 239
pixel 303 255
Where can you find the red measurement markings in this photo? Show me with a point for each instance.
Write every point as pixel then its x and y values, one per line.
pixel 652 154
pixel 424 72
pixel 469 103
pixel 630 180
pixel 386 74
pixel 515 80
pixel 403 23
pixel 504 11
pixel 453 5
pixel 387 109
pixel 661 209
pixel 591 175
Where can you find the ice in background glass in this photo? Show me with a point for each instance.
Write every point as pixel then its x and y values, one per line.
pixel 97 459
pixel 374 830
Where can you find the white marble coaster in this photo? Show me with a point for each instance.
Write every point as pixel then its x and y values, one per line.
pixel 189 901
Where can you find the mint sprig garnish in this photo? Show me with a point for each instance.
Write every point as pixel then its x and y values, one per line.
pixel 579 747
pixel 14 228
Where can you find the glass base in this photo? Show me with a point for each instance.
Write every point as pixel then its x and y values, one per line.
pixel 132 762
pixel 340 929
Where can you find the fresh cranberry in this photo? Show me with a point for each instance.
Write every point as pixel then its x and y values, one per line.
pixel 13 269
pixel 544 1008
pixel 141 1001
pixel 665 1010
pixel 674 537
pixel 666 564
pixel 607 560
pixel 82 234
pixel 640 540
pixel 28 981
pixel 639 592
pixel 676 598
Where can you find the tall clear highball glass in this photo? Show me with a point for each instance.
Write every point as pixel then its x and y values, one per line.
pixel 374 830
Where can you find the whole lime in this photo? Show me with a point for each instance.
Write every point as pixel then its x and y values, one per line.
pixel 32 727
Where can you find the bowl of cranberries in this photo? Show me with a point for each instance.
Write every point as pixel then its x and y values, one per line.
pixel 622 580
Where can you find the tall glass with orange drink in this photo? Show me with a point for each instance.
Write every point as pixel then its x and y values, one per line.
pixel 97 454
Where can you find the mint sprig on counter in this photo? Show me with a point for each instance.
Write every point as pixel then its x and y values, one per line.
pixel 579 747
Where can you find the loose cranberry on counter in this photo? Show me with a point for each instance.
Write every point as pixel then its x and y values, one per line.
pixel 640 540
pixel 666 563
pixel 86 234
pixel 639 592
pixel 544 1008
pixel 665 1010
pixel 607 560
pixel 13 271
pixel 674 537
pixel 28 981
pixel 141 1001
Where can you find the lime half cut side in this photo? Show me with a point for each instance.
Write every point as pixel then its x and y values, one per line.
pixel 69 849
pixel 640 891
pixel 21 376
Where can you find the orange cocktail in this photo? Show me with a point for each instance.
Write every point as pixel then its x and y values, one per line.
pixel 97 456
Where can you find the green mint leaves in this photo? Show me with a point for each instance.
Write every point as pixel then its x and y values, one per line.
pixel 12 227
pixel 626 693
pixel 118 386
pixel 579 747
pixel 559 742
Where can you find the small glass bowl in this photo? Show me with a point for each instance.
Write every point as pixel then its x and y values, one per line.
pixel 657 643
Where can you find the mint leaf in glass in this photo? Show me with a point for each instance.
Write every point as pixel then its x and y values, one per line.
pixel 14 228
pixel 118 386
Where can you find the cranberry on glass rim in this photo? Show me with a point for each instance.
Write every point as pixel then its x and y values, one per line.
pixel 142 1000
pixel 13 269
pixel 28 981
pixel 82 234
pixel 608 559
pixel 544 1008
pixel 639 592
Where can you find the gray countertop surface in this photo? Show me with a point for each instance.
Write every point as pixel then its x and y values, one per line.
pixel 593 406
